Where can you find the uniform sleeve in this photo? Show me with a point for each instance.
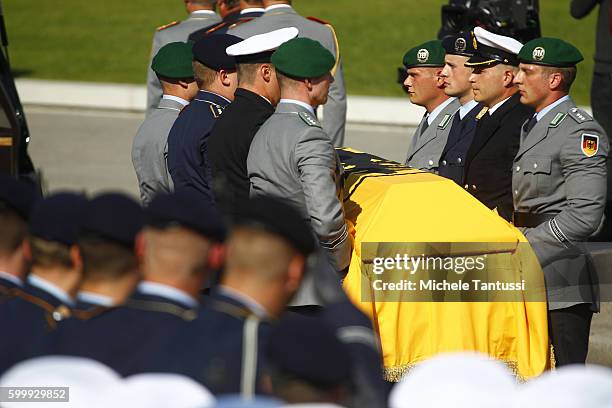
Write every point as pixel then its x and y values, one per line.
pixel 154 91
pixel 316 163
pixel 585 190
pixel 582 8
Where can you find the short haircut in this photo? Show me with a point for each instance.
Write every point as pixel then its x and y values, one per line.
pixel 284 81
pixel 253 249
pixel 567 74
pixel 247 73
pixel 105 260
pixel 253 2
pixel 232 3
pixel 204 76
pixel 294 390
pixel 48 254
pixel 14 231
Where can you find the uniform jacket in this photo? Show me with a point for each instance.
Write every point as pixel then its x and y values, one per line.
pixel 453 158
pixel 552 174
pixel 427 144
pixel 230 21
pixel 149 150
pixel 188 144
pixel 488 174
pixel 130 339
pixel 27 319
pixel 334 110
pixel 173 32
pixel 291 157
pixel 222 348
pixel 229 143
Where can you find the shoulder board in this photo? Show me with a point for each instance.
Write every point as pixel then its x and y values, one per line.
pixel 309 120
pixel 91 313
pixel 318 20
pixel 230 309
pixel 216 110
pixel 162 307
pixel 172 24
pixel 241 21
pixel 557 120
pixel 445 121
pixel 216 28
pixel 579 115
pixel 482 113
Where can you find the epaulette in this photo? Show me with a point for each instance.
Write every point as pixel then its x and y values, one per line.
pixel 172 24
pixel 445 121
pixel 162 307
pixel 216 28
pixel 241 21
pixel 559 117
pixel 216 110
pixel 482 113
pixel 230 309
pixel 309 120
pixel 91 313
pixel 53 314
pixel 579 115
pixel 318 20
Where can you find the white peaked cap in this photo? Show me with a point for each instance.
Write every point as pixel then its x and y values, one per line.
pixel 568 387
pixel 501 42
pixel 156 390
pixel 86 379
pixel 462 380
pixel 263 42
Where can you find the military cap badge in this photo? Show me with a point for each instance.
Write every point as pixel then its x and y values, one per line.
pixel 422 55
pixel 539 53
pixel 590 144
pixel 460 44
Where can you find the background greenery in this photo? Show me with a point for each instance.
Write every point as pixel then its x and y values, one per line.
pixel 110 40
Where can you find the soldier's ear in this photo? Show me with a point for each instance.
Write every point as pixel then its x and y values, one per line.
pixel 76 258
pixel 216 256
pixel 295 273
pixel 555 81
pixel 140 247
pixel 266 72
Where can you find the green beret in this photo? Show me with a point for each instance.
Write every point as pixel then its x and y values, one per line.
pixel 429 54
pixel 174 61
pixel 552 52
pixel 303 58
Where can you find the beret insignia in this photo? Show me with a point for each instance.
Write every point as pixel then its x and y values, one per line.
pixel 422 55
pixel 539 53
pixel 460 45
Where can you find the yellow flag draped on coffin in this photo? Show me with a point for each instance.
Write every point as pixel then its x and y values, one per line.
pixel 420 213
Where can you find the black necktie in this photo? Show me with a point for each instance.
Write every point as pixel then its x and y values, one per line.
pixel 529 125
pixel 426 124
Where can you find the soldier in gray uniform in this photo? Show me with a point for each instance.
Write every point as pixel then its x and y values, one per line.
pixel 201 14
pixel 173 67
pixel 279 14
pixel 559 189
pixel 424 64
pixel 292 157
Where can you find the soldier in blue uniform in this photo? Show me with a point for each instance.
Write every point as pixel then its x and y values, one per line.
pixel 16 201
pixel 267 251
pixel 48 293
pixel 215 73
pixel 106 243
pixel 234 13
pixel 307 364
pixel 179 250
pixel 459 48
